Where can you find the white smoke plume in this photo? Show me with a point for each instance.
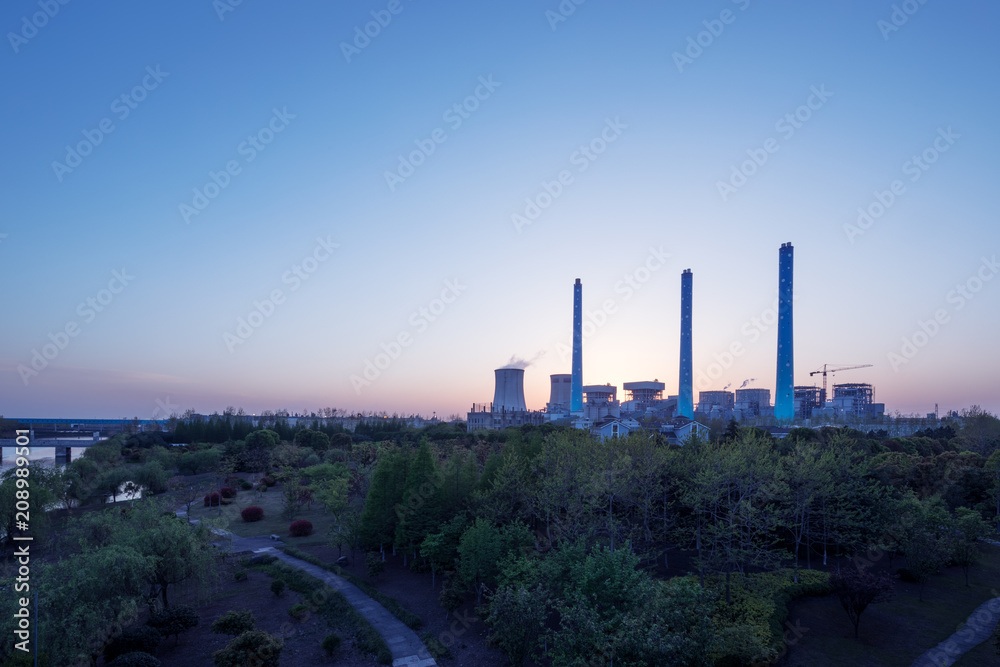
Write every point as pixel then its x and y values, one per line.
pixel 518 362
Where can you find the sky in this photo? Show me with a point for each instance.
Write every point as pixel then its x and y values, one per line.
pixel 371 205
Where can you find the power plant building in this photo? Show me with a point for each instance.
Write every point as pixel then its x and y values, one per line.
pixel 640 395
pixel 508 407
pixel 559 395
pixel 753 402
pixel 807 399
pixel 602 402
pixel 716 403
pixel 856 399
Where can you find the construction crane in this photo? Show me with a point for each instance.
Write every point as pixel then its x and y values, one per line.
pixel 831 368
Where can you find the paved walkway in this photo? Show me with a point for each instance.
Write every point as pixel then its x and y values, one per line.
pixel 976 630
pixel 406 648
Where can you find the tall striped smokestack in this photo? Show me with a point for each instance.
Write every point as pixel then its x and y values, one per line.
pixel 685 391
pixel 576 382
pixel 784 397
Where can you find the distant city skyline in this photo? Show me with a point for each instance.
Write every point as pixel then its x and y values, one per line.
pixel 373 208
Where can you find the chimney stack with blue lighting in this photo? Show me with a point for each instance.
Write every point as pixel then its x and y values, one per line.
pixel 576 381
pixel 685 391
pixel 784 398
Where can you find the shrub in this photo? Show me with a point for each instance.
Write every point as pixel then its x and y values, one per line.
pixel 240 575
pixel 227 492
pixel 301 528
pixel 234 622
pixel 245 485
pixel 298 611
pixel 278 586
pixel 374 564
pixel 255 647
pixel 175 620
pixel 331 643
pixel 434 645
pixel 211 499
pixel 268 480
pixel 138 638
pixel 135 659
pixel 253 513
pixel 451 598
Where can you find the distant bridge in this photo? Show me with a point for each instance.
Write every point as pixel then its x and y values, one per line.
pixel 63 446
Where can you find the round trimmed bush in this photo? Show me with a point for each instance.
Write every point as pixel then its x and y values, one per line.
pixel 331 643
pixel 278 586
pixel 255 647
pixel 268 480
pixel 298 611
pixel 252 513
pixel 175 620
pixel 245 485
pixel 234 622
pixel 212 499
pixel 227 492
pixel 301 528
pixel 138 638
pixel 135 659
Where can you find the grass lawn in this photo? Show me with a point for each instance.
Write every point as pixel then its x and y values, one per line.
pixel 273 523
pixel 897 632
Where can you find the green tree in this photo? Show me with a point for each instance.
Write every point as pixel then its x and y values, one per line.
pixel 969 530
pixel 857 589
pixel 420 512
pixel 83 607
pixel 482 547
pixel 379 519
pixel 315 440
pixel 927 544
pixel 32 486
pixel 516 618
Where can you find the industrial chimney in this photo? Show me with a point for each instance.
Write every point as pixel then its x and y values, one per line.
pixel 576 385
pixel 784 396
pixel 509 393
pixel 685 390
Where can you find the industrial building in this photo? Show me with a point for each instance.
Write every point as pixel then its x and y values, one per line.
pixel 856 399
pixel 639 395
pixel 508 407
pixel 601 401
pixel 716 404
pixel 559 395
pixel 753 402
pixel 807 399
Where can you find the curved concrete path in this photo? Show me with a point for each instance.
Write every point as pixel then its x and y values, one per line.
pixel 977 629
pixel 406 648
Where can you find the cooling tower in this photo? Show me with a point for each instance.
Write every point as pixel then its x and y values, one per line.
pixel 509 394
pixel 685 390
pixel 560 389
pixel 576 384
pixel 784 395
